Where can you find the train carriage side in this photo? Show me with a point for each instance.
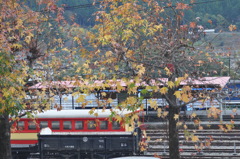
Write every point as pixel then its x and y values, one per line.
pixel 69 122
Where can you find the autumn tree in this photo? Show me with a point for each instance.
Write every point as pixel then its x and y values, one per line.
pixel 26 51
pixel 148 44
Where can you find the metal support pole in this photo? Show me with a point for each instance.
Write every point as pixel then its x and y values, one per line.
pixel 235 152
pixel 73 102
pixel 164 148
pixel 221 109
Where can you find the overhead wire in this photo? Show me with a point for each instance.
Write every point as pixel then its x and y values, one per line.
pixel 88 5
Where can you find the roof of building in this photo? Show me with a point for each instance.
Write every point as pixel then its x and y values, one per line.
pixel 218 82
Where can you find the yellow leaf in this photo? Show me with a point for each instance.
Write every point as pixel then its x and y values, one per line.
pixel 17 46
pixel 158 27
pixel 185 126
pixel 103 94
pixel 109 100
pixel 141 69
pixel 168 72
pixel 165 113
pixel 195 138
pixel 80 99
pixel 131 100
pixel 159 111
pixel 229 127
pixel 153 104
pixel 135 116
pixel 176 116
pixel 185 98
pixel 118 118
pixel 116 67
pixel 19 22
pixel 75 93
pixel 187 88
pixel 91 111
pixel 65 49
pixel 164 90
pixel 108 53
pixel 170 84
pixel 179 124
pixel 76 38
pixel 130 53
pixel 177 94
pixel 85 65
pixel 193 115
pixel 148 138
pixel 28 39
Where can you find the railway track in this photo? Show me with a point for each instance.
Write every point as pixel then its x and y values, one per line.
pixel 213 143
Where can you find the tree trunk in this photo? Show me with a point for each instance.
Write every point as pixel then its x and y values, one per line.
pixel 173 133
pixel 5 145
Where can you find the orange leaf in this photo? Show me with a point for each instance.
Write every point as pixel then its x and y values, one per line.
pixel 193 25
pixel 232 27
pixel 169 4
pixel 195 139
pixel 210 21
pixel 182 6
pixel 234 110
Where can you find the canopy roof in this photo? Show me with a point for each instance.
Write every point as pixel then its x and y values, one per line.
pixel 216 82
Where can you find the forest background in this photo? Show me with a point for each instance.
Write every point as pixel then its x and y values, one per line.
pixel 217 14
pixel 211 14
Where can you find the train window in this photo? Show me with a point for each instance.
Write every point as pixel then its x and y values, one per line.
pixel 78 125
pixel 20 125
pixel 67 125
pixel 115 125
pixel 91 125
pixel 43 124
pixel 31 125
pixel 103 125
pixel 55 125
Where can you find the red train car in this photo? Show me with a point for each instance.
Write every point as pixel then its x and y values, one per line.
pixel 25 131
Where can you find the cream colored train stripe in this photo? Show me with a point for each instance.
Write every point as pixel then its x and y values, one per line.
pixel 24 136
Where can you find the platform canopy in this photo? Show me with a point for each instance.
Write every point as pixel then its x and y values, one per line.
pixel 206 82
